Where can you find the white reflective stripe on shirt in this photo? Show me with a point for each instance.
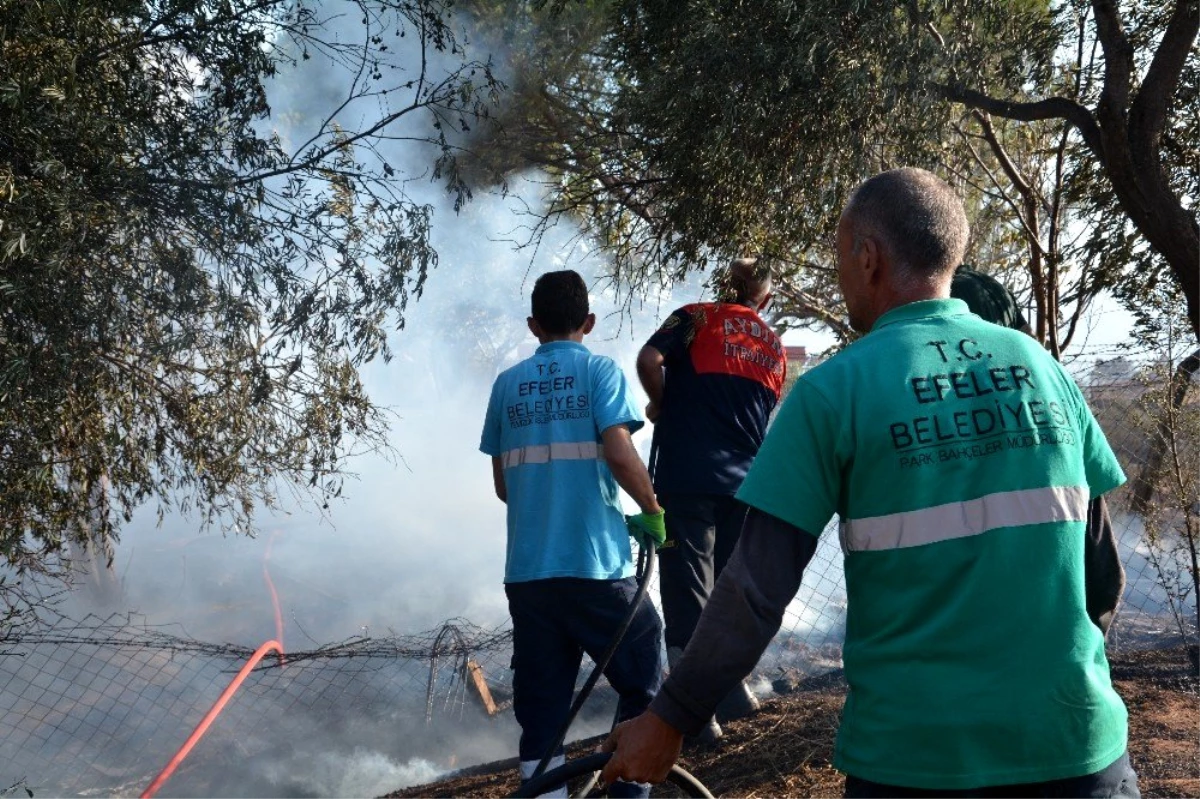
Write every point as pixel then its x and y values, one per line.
pixel 544 453
pixel 962 519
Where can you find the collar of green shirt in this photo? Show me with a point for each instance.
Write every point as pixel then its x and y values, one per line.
pixel 923 309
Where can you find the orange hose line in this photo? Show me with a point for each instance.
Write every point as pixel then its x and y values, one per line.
pixel 274 595
pixel 211 716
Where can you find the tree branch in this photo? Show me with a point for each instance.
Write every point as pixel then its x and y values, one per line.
pixel 1050 108
pixel 1148 114
pixel 1118 56
pixel 1030 235
pixel 1014 174
pixel 809 305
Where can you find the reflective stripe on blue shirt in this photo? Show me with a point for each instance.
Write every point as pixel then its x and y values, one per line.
pixel 558 451
pixel 544 423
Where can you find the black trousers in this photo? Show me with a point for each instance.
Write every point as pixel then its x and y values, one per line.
pixel 703 529
pixel 1117 781
pixel 554 622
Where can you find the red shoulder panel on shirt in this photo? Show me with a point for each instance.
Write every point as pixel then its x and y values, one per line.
pixel 734 340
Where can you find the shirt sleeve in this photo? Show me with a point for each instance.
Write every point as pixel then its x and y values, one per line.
pixel 673 337
pixel 612 399
pixel 489 440
pixel 1104 576
pixel 1018 319
pixel 739 621
pixel 796 475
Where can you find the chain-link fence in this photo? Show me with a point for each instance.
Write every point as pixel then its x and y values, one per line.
pixel 1149 410
pixel 97 706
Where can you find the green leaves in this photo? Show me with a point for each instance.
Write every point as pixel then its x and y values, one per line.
pixel 683 134
pixel 184 302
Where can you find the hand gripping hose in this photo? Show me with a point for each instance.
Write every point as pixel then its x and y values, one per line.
pixel 582 765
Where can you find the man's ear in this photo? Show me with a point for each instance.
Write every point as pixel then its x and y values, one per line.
pixel 589 323
pixel 871 259
pixel 534 327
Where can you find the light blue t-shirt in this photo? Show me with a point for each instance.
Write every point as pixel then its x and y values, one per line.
pixel 544 421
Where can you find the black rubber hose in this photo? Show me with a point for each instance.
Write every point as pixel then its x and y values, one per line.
pixel 582 765
pixel 602 663
pixel 651 466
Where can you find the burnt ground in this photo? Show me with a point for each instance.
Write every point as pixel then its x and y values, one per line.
pixel 785 748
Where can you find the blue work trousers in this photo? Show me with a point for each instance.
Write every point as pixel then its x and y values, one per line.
pixel 554 622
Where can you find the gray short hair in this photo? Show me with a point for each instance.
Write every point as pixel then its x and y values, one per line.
pixel 917 215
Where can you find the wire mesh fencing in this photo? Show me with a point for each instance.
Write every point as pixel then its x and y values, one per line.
pixel 1149 409
pixel 96 706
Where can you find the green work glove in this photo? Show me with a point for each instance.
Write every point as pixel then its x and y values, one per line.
pixel 646 527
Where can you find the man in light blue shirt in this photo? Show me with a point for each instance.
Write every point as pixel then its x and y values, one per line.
pixel 558 429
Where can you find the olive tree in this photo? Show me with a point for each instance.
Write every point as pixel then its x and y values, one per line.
pixel 187 287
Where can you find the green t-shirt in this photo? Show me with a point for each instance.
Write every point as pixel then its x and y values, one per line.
pixel 960 459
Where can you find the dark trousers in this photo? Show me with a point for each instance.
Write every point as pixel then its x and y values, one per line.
pixel 704 529
pixel 1117 781
pixel 554 622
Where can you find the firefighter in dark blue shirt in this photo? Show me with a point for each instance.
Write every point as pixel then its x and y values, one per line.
pixel 713 372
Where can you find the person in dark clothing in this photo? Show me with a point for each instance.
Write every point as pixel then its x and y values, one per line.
pixel 713 373
pixel 988 298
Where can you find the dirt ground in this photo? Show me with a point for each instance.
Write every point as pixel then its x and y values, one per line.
pixel 785 748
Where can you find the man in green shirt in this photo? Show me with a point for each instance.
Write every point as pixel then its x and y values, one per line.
pixel 961 460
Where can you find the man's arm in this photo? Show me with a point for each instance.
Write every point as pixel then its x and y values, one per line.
pixel 1104 577
pixel 627 467
pixel 650 374
pixel 741 617
pixel 498 480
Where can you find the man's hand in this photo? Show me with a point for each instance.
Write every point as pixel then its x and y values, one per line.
pixel 644 750
pixel 648 527
pixel 652 411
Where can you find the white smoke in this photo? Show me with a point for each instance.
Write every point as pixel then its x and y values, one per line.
pixel 413 541
pixel 363 773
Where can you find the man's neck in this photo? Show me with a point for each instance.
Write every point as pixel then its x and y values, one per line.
pixel 576 337
pixel 898 300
